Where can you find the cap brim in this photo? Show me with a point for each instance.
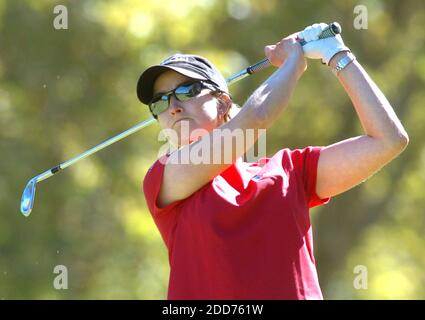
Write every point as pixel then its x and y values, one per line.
pixel 148 77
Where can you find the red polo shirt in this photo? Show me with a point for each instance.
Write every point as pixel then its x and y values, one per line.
pixel 246 234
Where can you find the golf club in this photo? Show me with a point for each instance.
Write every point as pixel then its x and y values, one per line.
pixel 27 200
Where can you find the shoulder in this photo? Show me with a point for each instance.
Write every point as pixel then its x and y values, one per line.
pixel 155 172
pixel 299 157
pixel 295 160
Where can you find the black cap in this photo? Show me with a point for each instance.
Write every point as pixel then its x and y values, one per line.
pixel 192 66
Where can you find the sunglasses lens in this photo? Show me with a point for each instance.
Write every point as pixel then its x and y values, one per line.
pixel 159 106
pixel 182 93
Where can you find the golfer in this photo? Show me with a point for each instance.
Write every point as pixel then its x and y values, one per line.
pixel 241 230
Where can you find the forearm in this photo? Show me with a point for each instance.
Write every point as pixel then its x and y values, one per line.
pixel 373 109
pixel 272 97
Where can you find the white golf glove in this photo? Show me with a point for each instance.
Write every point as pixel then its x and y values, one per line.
pixel 316 48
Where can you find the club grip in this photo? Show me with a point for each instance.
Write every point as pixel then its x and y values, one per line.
pixel 258 66
pixel 330 31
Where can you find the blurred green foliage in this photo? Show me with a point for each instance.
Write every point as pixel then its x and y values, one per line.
pixel 63 91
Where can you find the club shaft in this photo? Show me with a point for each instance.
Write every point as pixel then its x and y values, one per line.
pixel 261 65
pixel 70 162
pixel 108 142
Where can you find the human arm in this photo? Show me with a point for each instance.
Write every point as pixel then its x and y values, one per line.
pixel 347 163
pixel 259 112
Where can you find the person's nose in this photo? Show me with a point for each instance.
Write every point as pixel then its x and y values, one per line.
pixel 175 106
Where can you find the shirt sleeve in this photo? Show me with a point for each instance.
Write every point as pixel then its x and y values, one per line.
pixel 305 162
pixel 165 217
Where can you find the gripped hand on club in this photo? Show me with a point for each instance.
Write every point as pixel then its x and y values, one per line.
pixel 288 48
pixel 311 43
pixel 320 48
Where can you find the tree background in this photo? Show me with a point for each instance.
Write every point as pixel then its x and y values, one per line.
pixel 64 91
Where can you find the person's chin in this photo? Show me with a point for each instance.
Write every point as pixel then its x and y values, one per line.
pixel 183 124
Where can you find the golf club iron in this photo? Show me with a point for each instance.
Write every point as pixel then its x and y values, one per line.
pixel 27 200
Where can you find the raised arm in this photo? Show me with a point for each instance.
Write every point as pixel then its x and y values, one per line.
pixel 347 163
pixel 260 111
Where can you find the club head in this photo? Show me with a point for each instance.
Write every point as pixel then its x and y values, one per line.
pixel 27 200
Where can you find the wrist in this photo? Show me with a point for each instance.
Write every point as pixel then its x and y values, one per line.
pixel 334 60
pixel 342 62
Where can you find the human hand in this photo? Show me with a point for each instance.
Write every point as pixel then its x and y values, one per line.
pixel 323 49
pixel 287 48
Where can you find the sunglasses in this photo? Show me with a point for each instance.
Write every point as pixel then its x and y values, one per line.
pixel 184 92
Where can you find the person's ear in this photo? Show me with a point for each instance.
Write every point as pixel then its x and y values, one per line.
pixel 224 105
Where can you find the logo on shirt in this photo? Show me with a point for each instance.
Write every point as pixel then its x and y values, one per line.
pixel 257 177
